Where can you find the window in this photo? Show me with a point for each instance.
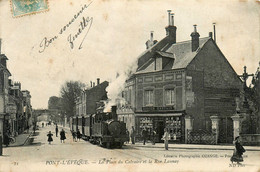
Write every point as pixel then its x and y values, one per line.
pixel 148 97
pixel 169 97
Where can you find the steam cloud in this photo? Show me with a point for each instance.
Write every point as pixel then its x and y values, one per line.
pixel 115 88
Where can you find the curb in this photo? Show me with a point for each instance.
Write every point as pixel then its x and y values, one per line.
pixel 161 147
pixel 22 144
pixel 26 139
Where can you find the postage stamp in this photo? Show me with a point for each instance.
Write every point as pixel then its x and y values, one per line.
pixel 27 7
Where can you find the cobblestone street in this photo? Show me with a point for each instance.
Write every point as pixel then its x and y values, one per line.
pixel 84 155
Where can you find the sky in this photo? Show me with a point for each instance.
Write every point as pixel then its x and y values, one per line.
pixel 115 36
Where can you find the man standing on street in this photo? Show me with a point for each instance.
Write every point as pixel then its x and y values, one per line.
pixel 166 138
pixel 144 133
pixel 57 130
pixel 133 135
pixel 78 135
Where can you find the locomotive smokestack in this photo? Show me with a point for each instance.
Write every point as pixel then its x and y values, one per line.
pixel 114 114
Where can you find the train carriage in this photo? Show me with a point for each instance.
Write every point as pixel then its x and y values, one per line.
pixel 86 133
pixel 102 128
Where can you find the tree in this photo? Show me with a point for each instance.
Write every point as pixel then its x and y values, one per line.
pixel 54 103
pixel 70 90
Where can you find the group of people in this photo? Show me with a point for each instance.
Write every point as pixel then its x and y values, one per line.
pixel 76 135
pixel 62 135
pixel 166 137
pixel 237 155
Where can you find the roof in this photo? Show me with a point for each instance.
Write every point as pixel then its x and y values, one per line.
pixel 180 53
pixel 3 56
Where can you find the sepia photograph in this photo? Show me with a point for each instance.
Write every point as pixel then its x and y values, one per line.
pixel 129 85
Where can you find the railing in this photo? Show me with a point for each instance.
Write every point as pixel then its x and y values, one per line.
pixel 250 139
pixel 201 137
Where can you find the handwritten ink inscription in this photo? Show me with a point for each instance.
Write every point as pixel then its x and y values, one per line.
pixel 85 24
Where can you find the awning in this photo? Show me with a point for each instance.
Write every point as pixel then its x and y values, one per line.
pixel 157 114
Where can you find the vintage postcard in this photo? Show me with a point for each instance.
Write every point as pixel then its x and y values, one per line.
pixel 111 85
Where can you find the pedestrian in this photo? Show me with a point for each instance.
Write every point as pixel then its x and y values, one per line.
pixel 127 134
pixel 6 139
pixel 42 125
pixel 62 136
pixel 57 130
pixel 28 129
pixel 154 135
pixel 166 137
pixel 34 128
pixel 78 135
pixel 50 137
pixel 74 135
pixel 144 134
pixel 238 151
pixel 133 135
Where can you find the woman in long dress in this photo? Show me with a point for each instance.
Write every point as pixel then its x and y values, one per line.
pixel 238 152
pixel 50 137
pixel 62 136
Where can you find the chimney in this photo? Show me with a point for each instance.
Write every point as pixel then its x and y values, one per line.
pixel 114 114
pixel 214 30
pixel 194 39
pixel 98 80
pixel 171 29
pixel 151 39
pixel 172 17
pixel 91 84
pixel 210 35
pixel 150 42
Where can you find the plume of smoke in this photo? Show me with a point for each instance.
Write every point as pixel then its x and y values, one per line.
pixel 116 87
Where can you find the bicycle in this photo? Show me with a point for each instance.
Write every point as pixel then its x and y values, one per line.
pixel 12 139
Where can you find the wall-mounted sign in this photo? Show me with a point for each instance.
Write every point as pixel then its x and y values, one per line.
pixel 152 108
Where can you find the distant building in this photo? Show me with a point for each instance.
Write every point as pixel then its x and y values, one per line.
pixel 27 108
pixel 4 98
pixel 87 102
pixel 15 104
pixel 182 86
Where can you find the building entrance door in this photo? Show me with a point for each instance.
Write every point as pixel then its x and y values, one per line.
pixel 225 130
pixel 160 130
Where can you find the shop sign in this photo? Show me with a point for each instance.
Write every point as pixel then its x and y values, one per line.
pixel 153 108
pixel 11 109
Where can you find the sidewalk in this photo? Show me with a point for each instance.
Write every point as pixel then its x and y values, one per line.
pixel 193 146
pixel 21 139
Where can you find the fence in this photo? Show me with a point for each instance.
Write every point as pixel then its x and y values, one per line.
pixel 201 137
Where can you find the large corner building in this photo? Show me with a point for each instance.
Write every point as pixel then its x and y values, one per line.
pixel 182 86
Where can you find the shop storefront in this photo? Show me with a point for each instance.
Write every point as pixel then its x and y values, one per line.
pixel 174 122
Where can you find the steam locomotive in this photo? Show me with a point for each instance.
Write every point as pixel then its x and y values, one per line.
pixel 101 128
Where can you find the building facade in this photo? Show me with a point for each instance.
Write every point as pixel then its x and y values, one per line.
pixel 88 102
pixel 15 104
pixel 4 98
pixel 183 86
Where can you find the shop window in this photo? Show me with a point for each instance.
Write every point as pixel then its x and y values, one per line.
pixel 169 97
pixel 148 97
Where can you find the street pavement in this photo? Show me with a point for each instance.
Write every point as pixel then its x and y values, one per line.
pixel 84 156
